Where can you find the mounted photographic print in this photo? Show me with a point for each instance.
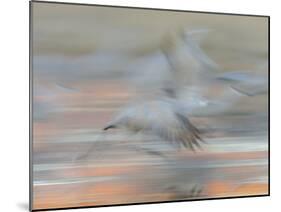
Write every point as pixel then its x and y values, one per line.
pixel 139 105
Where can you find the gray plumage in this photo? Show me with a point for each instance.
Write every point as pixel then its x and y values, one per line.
pixel 164 118
pixel 167 114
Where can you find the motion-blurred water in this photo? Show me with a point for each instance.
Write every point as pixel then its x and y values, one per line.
pixel 83 62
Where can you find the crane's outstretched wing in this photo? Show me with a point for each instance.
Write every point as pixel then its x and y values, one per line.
pixel 191 41
pixel 179 62
pixel 249 84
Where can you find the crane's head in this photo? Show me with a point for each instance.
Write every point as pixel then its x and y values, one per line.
pixel 124 123
pixel 110 126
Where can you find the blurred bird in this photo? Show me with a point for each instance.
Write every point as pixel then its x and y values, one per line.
pixel 195 74
pixel 176 92
pixel 166 114
pixel 162 114
pixel 163 117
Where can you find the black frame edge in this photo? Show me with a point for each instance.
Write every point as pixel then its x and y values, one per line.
pixel 268 103
pixel 149 203
pixel 147 8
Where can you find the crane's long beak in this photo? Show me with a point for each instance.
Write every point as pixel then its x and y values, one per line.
pixel 108 127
